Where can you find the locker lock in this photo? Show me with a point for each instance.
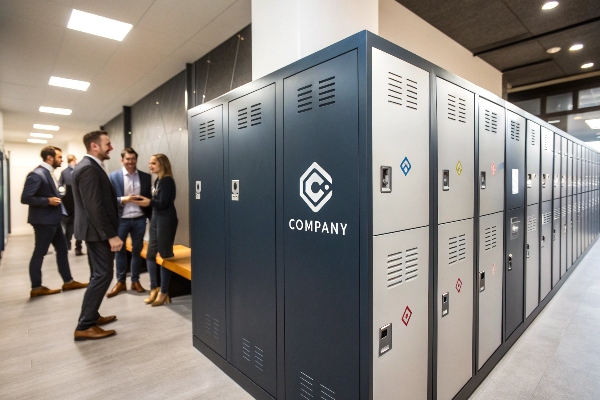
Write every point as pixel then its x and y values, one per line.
pixel 483 179
pixel 543 244
pixel 553 234
pixel 445 304
pixel 527 250
pixel 530 178
pixel 565 228
pixel 235 190
pixel 545 177
pixel 386 179
pixel 555 180
pixel 562 181
pixel 446 179
pixel 510 262
pixel 481 281
pixel 385 339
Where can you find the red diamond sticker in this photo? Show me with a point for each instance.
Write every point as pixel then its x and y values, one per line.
pixel 493 168
pixel 493 269
pixel 458 285
pixel 406 316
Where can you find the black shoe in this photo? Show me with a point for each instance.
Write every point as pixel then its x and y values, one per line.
pixel 79 253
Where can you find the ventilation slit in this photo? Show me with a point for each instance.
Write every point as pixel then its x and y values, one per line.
pixel 515 130
pixel 255 114
pixel 531 224
pixel 546 218
pixel 394 269
pixel 305 98
pixel 411 94
pixel 490 237
pixel 326 393
pixel 243 118
pixel 462 110
pixel 452 107
pixel 411 264
pixel 327 92
pixel 306 386
pixel 394 89
pixel 246 349
pixel 259 358
pixel 457 249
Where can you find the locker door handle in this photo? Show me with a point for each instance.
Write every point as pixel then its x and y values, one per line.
pixel 445 304
pixel 510 262
pixel 554 234
pixel 543 241
pixel 544 176
pixel 527 253
pixel 483 179
pixel 446 179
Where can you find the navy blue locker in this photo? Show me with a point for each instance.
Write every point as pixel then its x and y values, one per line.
pixel 515 228
pixel 515 161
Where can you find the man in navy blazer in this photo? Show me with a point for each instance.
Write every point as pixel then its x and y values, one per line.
pixel 128 183
pixel 65 182
pixel 45 214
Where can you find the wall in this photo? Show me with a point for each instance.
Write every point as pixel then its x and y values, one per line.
pixel 115 130
pixel 399 25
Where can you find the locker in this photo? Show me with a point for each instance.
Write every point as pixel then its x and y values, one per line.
pixel 556 242
pixel 579 217
pixel 547 155
pixel 400 309
pixel 455 307
pixel 456 146
pixel 206 210
pixel 491 157
pixel 570 168
pixel 533 163
pixel 564 173
pixel 515 160
pixel 546 250
pixel 251 275
pixel 515 230
pixel 557 165
pixel 489 285
pixel 563 236
pixel 569 231
pixel 532 259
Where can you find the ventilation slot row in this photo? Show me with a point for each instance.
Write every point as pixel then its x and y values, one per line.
pixel 457 249
pixel 327 92
pixel 246 349
pixel 306 386
pixel 546 141
pixel 243 118
pixel 490 237
pixel 533 137
pixel 546 218
pixel 515 130
pixel 411 94
pixel 326 393
pixel 211 326
pixel 305 99
pixel 394 269
pixel 411 264
pixel 491 121
pixel 452 107
pixel 563 211
pixel 207 130
pixel 462 110
pixel 255 114
pixel 394 89
pixel 259 358
pixel 531 224
pixel 556 213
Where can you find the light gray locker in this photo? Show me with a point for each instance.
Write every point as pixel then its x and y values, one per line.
pixel 456 143
pixel 533 163
pixel 532 259
pixel 569 231
pixel 555 242
pixel 564 173
pixel 491 157
pixel 400 313
pixel 578 169
pixel 546 250
pixel 454 307
pixel 563 236
pixel 489 285
pixel 570 168
pixel 556 169
pixel 400 142
pixel 547 155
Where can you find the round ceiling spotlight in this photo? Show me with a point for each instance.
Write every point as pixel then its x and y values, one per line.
pixel 576 47
pixel 550 5
pixel 553 50
pixel 587 65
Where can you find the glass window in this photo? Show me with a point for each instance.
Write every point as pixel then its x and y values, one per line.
pixel 532 106
pixel 589 97
pixel 559 102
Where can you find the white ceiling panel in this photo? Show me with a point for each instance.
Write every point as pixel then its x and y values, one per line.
pixel 161 18
pixel 47 12
pixel 152 42
pixel 129 11
pixel 210 9
pixel 233 20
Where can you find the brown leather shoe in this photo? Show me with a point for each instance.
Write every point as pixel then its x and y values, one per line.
pixel 74 285
pixel 93 333
pixel 42 291
pixel 106 320
pixel 137 287
pixel 118 288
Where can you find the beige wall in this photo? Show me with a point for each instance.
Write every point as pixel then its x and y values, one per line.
pixel 399 25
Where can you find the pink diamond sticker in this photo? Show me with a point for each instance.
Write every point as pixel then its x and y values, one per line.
pixel 493 269
pixel 493 168
pixel 458 285
pixel 406 316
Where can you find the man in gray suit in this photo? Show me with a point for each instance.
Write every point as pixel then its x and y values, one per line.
pixel 65 187
pixel 96 222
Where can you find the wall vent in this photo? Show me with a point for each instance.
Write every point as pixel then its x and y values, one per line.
pixel 515 130
pixel 243 118
pixel 327 92
pixel 211 326
pixel 305 98
pixel 306 386
pixel 457 248
pixel 531 224
pixel 255 114
pixel 491 121
pixel 395 269
pixel 490 237
pixel 546 218
pixel 207 130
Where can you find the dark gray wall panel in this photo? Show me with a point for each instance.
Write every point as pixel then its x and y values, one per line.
pixel 115 130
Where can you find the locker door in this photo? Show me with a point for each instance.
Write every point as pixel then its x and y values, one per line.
pixel 564 173
pixel 400 312
pixel 515 160
pixel 556 242
pixel 546 250
pixel 533 163
pixel 579 224
pixel 514 271
pixel 557 165
pixel 455 307
pixel 563 236
pixel 321 231
pixel 547 163
pixel 570 169
pixel 208 233
pixel 491 157
pixel 251 277
pixel 569 231
pixel 456 145
pixel 491 232
pixel 532 259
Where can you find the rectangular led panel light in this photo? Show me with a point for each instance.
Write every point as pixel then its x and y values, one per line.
pixel 41 135
pixel 40 141
pixel 68 83
pixel 593 123
pixel 46 127
pixel 52 110
pixel 97 25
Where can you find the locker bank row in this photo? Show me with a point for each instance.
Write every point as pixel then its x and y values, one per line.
pixel 368 225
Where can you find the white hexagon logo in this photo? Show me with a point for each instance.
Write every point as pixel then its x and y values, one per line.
pixel 315 187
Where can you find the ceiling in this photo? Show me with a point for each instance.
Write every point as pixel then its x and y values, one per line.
pixel 513 35
pixel 36 44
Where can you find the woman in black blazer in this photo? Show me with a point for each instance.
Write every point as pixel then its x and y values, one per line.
pixel 163 226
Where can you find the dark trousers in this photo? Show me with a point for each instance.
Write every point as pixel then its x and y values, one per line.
pixel 136 227
pixel 67 225
pixel 44 235
pixel 101 261
pixel 165 274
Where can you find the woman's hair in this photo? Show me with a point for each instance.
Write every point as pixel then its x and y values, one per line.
pixel 164 163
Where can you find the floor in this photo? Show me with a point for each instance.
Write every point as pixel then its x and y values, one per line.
pixel 152 356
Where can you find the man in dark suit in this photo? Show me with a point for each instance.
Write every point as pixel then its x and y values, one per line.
pixel 128 183
pixel 45 213
pixel 96 222
pixel 66 190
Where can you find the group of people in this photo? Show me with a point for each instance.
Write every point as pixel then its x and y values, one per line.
pixel 106 210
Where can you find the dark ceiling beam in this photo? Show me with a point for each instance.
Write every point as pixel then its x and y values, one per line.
pixel 504 44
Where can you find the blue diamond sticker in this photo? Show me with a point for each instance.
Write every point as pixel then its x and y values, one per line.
pixel 405 166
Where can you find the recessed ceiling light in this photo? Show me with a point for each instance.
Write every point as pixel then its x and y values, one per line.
pixel 553 50
pixel 550 5
pixel 587 65
pixel 68 83
pixel 46 127
pixel 576 47
pixel 40 141
pixel 97 25
pixel 41 135
pixel 593 123
pixel 52 110
pixel 554 121
pixel 578 117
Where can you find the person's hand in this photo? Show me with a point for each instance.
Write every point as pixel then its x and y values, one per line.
pixel 140 201
pixel 54 201
pixel 126 199
pixel 115 243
